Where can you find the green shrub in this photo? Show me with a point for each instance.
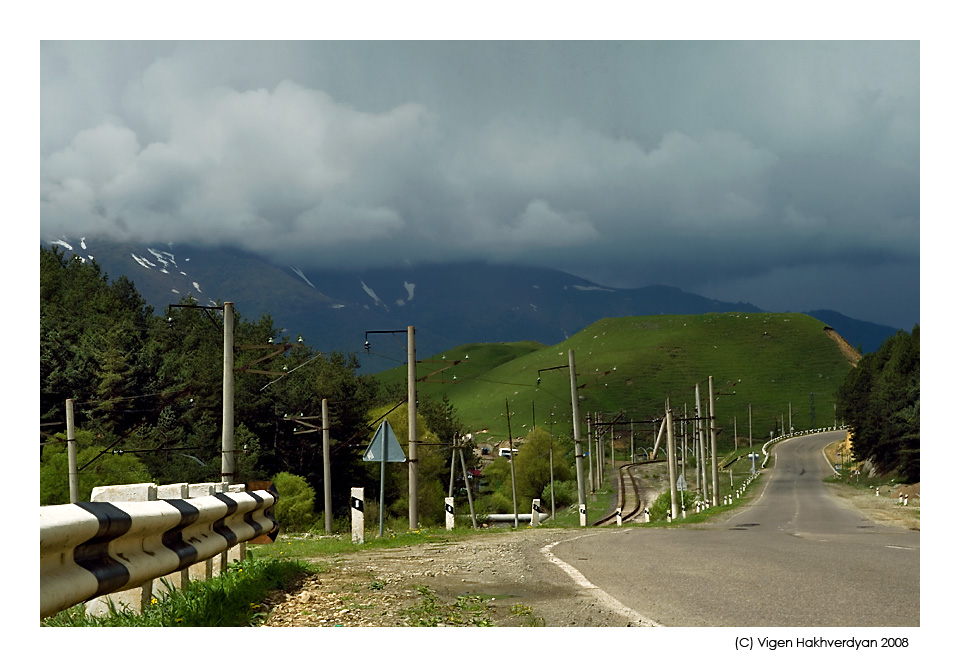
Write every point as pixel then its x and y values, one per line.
pixel 564 493
pixel 660 507
pixel 294 510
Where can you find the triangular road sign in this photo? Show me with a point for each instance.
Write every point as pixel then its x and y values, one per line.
pixel 385 439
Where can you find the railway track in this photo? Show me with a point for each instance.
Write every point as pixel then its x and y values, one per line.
pixel 629 502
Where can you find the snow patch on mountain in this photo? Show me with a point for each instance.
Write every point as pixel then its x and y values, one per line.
pixel 592 288
pixel 373 295
pixel 409 287
pixel 143 261
pixel 163 258
pixel 301 274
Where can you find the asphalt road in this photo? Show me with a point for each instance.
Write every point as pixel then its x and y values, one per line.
pixel 796 557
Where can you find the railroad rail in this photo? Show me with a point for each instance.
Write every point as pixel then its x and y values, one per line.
pixel 629 501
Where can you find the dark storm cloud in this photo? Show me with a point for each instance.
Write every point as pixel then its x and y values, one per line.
pixel 732 168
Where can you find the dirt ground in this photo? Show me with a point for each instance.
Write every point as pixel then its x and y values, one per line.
pixel 493 579
pixel 885 507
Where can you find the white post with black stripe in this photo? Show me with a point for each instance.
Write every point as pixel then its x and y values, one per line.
pixel 535 513
pixel 356 514
pixel 448 511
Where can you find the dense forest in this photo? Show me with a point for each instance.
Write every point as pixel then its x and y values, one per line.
pixel 147 391
pixel 880 400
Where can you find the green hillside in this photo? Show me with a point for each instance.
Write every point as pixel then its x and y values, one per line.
pixel 770 361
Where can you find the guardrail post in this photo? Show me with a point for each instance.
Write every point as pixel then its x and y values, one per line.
pixel 203 571
pixel 135 599
pixel 239 551
pixel 181 578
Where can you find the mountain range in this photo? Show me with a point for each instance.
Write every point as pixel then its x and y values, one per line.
pixel 448 304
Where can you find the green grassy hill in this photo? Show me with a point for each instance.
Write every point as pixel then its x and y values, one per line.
pixel 770 361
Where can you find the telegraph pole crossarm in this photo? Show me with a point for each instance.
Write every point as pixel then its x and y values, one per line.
pixel 279 348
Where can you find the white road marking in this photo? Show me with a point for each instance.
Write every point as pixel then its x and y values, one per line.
pixel 605 598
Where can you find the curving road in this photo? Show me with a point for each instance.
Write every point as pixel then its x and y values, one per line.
pixel 796 557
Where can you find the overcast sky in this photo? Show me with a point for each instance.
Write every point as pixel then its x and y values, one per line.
pixel 786 174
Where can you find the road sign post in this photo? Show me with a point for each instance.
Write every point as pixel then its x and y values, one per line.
pixel 384 447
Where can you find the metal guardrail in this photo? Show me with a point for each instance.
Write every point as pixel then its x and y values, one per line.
pixel 766 453
pixel 89 549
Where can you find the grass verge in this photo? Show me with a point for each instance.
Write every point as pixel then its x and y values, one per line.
pixel 234 599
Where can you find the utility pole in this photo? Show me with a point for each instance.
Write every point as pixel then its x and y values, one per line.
pixel 701 447
pixel 672 463
pixel 72 477
pixel 750 416
pixel 226 463
pixel 466 483
pixel 713 446
pixel 577 443
pixel 513 475
pixel 590 453
pixel 684 429
pixel 327 492
pixel 553 504
pixel 412 428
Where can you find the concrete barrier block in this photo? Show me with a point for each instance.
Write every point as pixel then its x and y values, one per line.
pixel 200 490
pixel 124 493
pixel 173 492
